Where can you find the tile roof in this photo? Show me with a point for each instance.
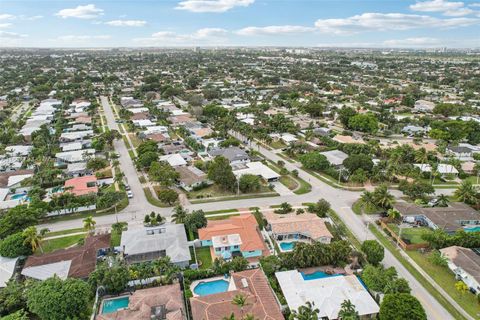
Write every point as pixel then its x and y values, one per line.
pixel 261 301
pixel 82 259
pixel 142 301
pixel 245 225
pixel 307 223
pixel 80 186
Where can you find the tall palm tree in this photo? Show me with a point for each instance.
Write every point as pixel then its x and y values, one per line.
pixel 240 301
pixel 368 200
pixel 32 238
pixel 421 155
pixel 467 193
pixel 306 312
pixel 383 198
pixel 89 224
pixel 443 200
pixel 348 312
pixel 393 214
pixel 179 214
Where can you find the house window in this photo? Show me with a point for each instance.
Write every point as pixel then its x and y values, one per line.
pixel 217 249
pixel 235 247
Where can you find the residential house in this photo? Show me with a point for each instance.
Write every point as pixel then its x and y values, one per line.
pixel 7 269
pixel 412 130
pixel 191 177
pixel 18 150
pixel 233 154
pixel 75 136
pixel 452 218
pixel 465 264
pixel 326 294
pixel 347 139
pixel 80 186
pixel 236 236
pixel 74 262
pixel 175 160
pixel 335 157
pixel 261 302
pixel 157 303
pixel 423 106
pixel 8 164
pixel 255 168
pixel 74 156
pixel 150 243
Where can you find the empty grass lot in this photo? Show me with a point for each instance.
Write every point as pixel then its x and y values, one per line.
pixel 60 243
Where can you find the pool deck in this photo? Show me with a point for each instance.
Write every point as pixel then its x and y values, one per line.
pixel 289 241
pixel 112 298
pixel 231 284
pixel 326 269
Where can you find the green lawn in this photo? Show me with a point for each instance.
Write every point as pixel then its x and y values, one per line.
pixel 414 235
pixel 221 211
pixel 305 187
pixel 153 200
pixel 424 282
pixel 277 144
pixel 215 191
pixel 62 232
pixel 446 279
pixel 60 243
pixel 288 182
pixel 204 258
pixel 223 217
pixel 359 208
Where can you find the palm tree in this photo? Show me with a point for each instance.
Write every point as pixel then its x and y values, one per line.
pixel 306 312
pixel 443 200
pixel 117 227
pixel 179 214
pixel 348 312
pixel 421 155
pixel 393 214
pixel 240 301
pixel 32 238
pixel 467 193
pixel 368 200
pixel 382 197
pixel 89 224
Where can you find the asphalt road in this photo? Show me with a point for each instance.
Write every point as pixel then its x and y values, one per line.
pixel 341 201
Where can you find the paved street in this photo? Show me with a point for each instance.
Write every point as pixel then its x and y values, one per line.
pixel 341 201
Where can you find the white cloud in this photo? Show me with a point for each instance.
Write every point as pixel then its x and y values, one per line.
pixel 212 5
pixel 412 42
pixel 6 16
pixel 210 35
pixel 388 21
pixel 448 8
pixel 81 38
pixel 11 35
pixel 5 25
pixel 88 11
pixel 29 18
pixel 126 23
pixel 273 30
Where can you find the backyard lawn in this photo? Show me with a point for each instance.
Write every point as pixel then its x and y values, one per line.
pixel 446 279
pixel 59 243
pixel 414 235
pixel 204 258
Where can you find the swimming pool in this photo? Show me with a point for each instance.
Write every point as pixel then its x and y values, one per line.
pixel 317 275
pixel 472 229
pixel 112 305
pixel 18 196
pixel 287 246
pixel 210 287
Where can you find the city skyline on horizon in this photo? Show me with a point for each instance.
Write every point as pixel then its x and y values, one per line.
pixel 240 23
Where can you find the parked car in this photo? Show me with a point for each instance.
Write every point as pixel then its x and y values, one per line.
pixel 127 186
pixel 129 194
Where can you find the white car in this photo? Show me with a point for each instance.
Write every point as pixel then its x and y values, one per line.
pixel 129 194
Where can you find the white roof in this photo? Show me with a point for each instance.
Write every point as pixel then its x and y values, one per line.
pixel 19 150
pixel 287 137
pixel 442 168
pixel 74 156
pixel 143 123
pixel 169 237
pixel 3 193
pixel 174 160
pixel 156 129
pixel 13 180
pixel 335 157
pixel 257 168
pixel 7 267
pixel 75 135
pixel 71 146
pixel 45 271
pixel 226 241
pixel 138 110
pixel 326 293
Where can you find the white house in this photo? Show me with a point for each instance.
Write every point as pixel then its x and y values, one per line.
pixel 465 264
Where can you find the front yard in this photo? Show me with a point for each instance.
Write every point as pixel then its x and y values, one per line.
pixel 50 245
pixel 412 235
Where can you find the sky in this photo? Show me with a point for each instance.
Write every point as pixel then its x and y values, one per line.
pixel 294 23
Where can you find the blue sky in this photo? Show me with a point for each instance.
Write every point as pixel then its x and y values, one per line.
pixel 159 23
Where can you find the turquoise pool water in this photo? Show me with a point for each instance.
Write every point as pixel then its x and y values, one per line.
pixel 473 229
pixel 112 305
pixel 287 246
pixel 18 196
pixel 211 287
pixel 317 275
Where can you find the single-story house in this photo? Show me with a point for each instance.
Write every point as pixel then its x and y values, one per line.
pixel 75 135
pixel 238 235
pixel 256 168
pixel 414 130
pixel 347 139
pixel 261 301
pixel 335 157
pixel 165 302
pixel 150 243
pixel 8 164
pixel 233 154
pixel 191 177
pixel 76 262
pixel 423 106
pixel 452 218
pixel 74 156
pixel 442 168
pixel 460 152
pixel 465 264
pixel 7 269
pixel 19 150
pixel 326 294
pixel 81 185
pixel 306 227
pixel 175 160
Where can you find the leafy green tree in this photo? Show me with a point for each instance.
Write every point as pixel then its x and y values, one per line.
pixel 374 251
pixel 305 312
pixel 345 114
pixel 14 246
pixel 18 218
pixel 320 208
pixel 97 164
pixel 17 315
pixel 383 280
pixel 314 161
pixel 168 196
pixel 358 161
pixel 221 172
pixel 109 199
pixel 163 173
pixel 443 200
pixel 249 183
pixel 55 299
pixel 461 287
pixel 284 208
pixel 114 278
pixel 400 306
pixel 12 297
pixel 363 122
pixel 416 189
pixel 145 160
pixel 399 285
pixel 393 214
pixel 348 311
pixel 196 220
